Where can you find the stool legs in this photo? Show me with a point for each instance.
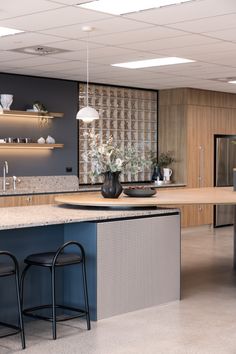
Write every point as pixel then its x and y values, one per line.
pixel 86 295
pixel 15 271
pixel 54 324
pixel 22 332
pixel 53 292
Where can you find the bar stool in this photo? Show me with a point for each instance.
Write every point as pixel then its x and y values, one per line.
pixel 52 260
pixel 7 270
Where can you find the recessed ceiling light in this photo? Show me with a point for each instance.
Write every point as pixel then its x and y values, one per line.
pixel 153 62
pixel 120 7
pixel 5 31
pixel 232 82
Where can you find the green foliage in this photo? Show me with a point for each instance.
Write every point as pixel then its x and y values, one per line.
pixel 165 159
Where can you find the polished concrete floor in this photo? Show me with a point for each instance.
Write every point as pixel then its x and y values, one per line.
pixel 203 322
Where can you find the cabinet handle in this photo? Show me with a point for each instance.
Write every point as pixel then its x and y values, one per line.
pixel 201 167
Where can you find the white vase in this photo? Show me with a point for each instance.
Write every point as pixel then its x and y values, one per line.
pixel 167 172
pixel 6 101
pixel 41 140
pixel 50 140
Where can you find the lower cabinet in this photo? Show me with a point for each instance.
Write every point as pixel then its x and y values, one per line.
pixel 24 200
pixel 195 215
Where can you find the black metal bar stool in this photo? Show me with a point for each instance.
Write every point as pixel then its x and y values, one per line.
pixel 52 260
pixel 6 270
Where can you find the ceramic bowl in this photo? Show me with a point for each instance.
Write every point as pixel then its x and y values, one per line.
pixel 140 192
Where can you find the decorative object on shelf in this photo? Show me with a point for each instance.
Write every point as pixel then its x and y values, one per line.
pixel 157 174
pixel 111 187
pixel 108 157
pixel 41 140
pixel 167 172
pixel 165 159
pixel 39 107
pixel 6 101
pixel 87 114
pixel 161 172
pixel 140 192
pixel 50 140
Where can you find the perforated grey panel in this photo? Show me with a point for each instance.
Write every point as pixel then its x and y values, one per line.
pixel 138 264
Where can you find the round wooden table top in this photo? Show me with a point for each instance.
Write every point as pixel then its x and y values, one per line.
pixel 181 196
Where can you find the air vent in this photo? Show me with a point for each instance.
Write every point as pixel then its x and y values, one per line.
pixel 224 79
pixel 39 50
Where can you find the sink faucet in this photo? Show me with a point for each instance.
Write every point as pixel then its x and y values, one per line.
pixel 5 172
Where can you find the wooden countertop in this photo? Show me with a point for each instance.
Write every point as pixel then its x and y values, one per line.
pixel 217 195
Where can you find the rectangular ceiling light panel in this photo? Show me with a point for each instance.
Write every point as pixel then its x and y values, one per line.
pixel 5 31
pixel 153 62
pixel 120 7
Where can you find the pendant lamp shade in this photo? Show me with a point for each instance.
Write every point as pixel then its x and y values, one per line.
pixel 87 114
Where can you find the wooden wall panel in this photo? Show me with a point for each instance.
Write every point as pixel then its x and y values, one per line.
pixel 201 114
pixel 172 137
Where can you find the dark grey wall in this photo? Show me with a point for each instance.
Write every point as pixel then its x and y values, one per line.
pixel 57 96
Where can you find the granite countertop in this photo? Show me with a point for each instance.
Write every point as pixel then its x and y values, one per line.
pixel 41 185
pixel 43 215
pixel 63 184
pixel 94 188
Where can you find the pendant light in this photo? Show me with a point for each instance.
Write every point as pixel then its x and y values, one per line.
pixel 87 114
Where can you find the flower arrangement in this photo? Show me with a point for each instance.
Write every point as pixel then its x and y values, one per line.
pixel 109 157
pixel 165 159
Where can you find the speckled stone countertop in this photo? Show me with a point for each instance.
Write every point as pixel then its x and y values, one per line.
pixel 43 215
pixel 41 185
pixel 93 188
pixel 61 184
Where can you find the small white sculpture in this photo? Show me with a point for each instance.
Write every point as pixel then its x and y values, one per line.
pixel 41 140
pixel 50 140
pixel 6 101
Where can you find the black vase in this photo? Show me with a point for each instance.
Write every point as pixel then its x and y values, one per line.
pixel 157 174
pixel 111 187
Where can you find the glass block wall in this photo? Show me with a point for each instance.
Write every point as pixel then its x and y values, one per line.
pixel 129 115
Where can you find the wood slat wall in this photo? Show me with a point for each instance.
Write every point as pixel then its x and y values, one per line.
pixel 188 120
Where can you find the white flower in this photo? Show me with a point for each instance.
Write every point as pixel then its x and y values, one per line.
pixel 101 149
pixel 119 162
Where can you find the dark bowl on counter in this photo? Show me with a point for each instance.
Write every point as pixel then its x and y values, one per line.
pixel 140 192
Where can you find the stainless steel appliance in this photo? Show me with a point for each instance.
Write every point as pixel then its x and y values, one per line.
pixel 225 162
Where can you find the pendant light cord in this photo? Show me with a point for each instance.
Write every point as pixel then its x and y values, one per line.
pixel 87 67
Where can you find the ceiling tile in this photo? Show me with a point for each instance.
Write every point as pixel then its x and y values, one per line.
pixel 101 28
pixel 147 34
pixel 8 56
pixel 208 24
pixel 32 61
pixel 185 11
pixel 227 35
pixel 24 40
pixel 13 8
pixel 54 18
pixel 172 43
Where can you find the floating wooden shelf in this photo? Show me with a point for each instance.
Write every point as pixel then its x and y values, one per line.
pixel 27 114
pixel 31 146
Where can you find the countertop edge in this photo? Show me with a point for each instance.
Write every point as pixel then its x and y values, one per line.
pixel 51 214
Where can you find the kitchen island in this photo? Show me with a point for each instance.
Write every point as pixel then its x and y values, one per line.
pixel 133 256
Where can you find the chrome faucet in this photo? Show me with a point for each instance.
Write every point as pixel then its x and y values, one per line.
pixel 5 172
